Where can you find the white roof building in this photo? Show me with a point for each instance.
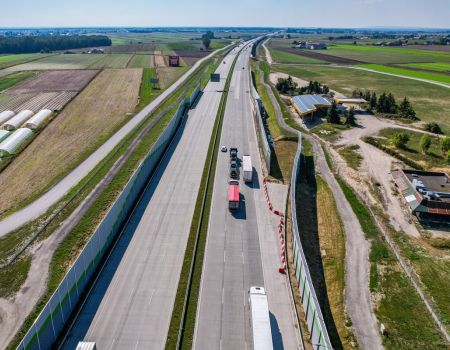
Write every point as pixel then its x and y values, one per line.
pixel 15 141
pixel 38 119
pixel 5 116
pixel 17 121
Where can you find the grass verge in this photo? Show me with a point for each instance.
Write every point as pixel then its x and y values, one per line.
pixel 182 323
pixel 351 156
pixel 12 277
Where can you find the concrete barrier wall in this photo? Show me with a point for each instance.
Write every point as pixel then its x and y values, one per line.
pixel 314 318
pixel 257 103
pixel 48 325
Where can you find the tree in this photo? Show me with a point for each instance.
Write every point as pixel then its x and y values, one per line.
pixel 406 110
pixel 209 34
pixel 425 143
pixel 400 139
pixel 391 104
pixel 445 144
pixel 350 119
pixel 286 86
pixel 447 157
pixel 373 102
pixel 332 114
pixel 206 41
pixel 433 127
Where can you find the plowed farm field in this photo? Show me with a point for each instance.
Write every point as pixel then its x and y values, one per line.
pixel 79 129
pixel 50 89
pixel 142 61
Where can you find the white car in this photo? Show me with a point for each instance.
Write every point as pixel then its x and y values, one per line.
pixel 223 148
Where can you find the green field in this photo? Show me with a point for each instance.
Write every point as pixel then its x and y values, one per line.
pixel 112 61
pixel 384 55
pixel 410 73
pixel 279 56
pixel 141 61
pixel 435 66
pixel 14 79
pixel 432 103
pixel 12 60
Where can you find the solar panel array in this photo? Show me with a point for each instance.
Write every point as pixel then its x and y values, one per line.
pixel 309 103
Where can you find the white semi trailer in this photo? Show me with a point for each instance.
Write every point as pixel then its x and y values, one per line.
pixel 260 319
pixel 248 168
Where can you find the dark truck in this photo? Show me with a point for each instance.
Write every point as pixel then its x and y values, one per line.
pixel 233 153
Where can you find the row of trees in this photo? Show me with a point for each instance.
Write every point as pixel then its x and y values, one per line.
pixel 290 87
pixel 48 43
pixel 386 104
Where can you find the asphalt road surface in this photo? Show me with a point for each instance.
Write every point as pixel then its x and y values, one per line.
pixel 236 242
pixel 131 303
pixel 43 203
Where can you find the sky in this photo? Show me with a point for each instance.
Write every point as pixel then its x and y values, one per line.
pixel 245 13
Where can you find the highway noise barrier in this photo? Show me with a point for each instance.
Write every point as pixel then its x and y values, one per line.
pixel 47 327
pixel 313 314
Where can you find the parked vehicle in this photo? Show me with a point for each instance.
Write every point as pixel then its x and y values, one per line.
pixel 233 195
pixel 223 148
pixel 86 345
pixel 248 168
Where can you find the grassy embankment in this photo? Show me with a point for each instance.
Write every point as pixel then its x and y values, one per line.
pixel 397 305
pixel 409 73
pixel 430 102
pixel 73 243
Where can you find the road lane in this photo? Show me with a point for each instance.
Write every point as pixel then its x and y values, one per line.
pixel 233 260
pixel 131 303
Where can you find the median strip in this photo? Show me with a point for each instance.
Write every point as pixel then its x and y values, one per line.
pixel 182 323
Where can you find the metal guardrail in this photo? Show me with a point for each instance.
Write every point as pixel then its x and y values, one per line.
pixel 314 318
pixel 51 320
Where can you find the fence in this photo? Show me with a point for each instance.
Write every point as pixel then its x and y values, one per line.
pixel 46 328
pixel 267 151
pixel 314 318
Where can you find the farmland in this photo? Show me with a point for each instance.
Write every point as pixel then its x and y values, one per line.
pixel 12 60
pixel 435 66
pixel 49 89
pixel 141 61
pixel 281 56
pixel 62 61
pixel 84 124
pixel 409 73
pixel 14 79
pixel 112 61
pixel 431 103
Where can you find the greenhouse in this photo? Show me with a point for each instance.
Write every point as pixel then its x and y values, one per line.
pixel 5 116
pixel 4 134
pixel 16 121
pixel 15 142
pixel 38 119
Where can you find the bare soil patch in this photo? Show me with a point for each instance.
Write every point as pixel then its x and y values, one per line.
pixel 58 80
pixel 319 56
pixel 438 48
pixel 90 118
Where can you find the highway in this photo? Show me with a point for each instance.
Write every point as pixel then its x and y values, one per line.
pixel 130 304
pixel 59 190
pixel 241 246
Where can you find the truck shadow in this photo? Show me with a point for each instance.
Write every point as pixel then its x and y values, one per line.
pixel 240 214
pixel 277 337
pixel 255 183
